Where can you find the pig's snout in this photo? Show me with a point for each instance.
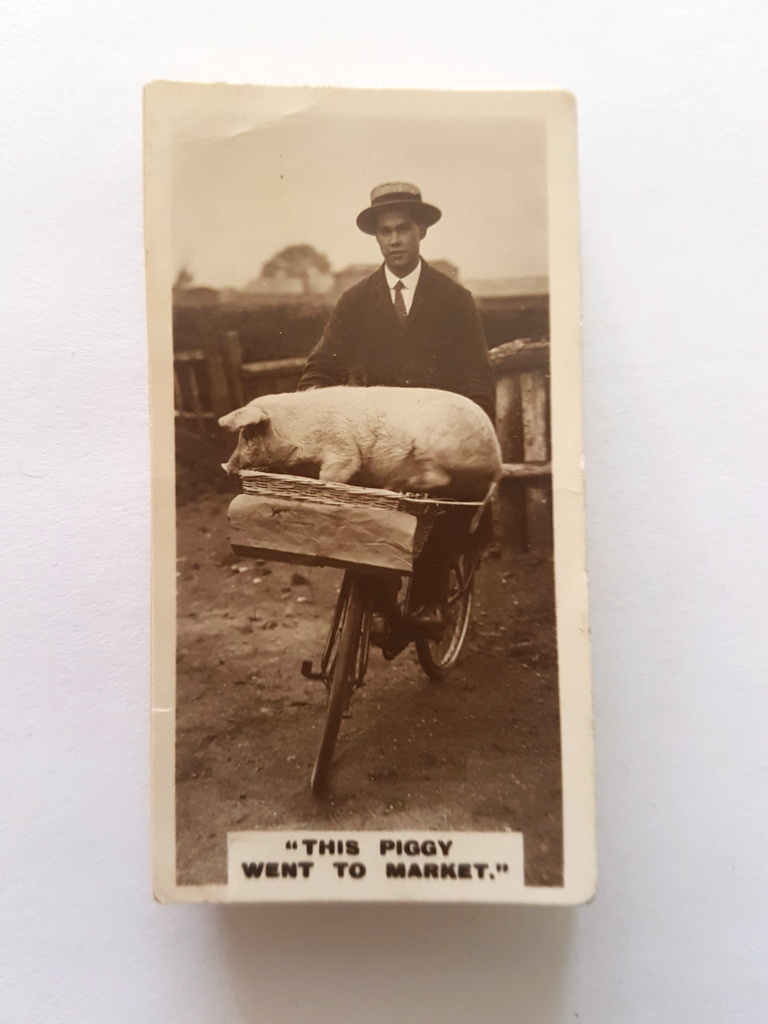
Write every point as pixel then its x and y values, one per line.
pixel 234 465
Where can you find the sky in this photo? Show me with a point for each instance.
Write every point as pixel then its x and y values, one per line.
pixel 250 178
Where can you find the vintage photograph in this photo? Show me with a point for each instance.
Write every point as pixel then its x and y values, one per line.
pixel 369 595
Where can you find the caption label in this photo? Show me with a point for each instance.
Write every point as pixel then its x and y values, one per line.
pixel 279 866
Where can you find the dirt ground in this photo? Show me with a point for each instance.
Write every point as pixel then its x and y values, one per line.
pixel 477 751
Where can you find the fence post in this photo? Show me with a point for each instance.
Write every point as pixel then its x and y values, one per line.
pixel 538 499
pixel 218 378
pixel 522 425
pixel 509 421
pixel 232 354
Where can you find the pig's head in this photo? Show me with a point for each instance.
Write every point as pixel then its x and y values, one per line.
pixel 259 445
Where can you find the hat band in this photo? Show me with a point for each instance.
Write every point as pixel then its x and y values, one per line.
pixel 396 197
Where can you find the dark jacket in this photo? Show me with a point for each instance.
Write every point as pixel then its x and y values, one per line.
pixel 441 345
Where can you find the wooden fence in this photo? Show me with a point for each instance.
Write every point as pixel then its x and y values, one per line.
pixel 208 382
pixel 523 429
pixel 213 381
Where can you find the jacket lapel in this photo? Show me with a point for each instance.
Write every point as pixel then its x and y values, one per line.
pixel 418 296
pixel 384 304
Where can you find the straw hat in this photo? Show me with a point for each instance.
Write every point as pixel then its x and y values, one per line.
pixel 397 193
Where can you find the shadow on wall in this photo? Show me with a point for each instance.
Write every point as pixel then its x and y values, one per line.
pixel 382 964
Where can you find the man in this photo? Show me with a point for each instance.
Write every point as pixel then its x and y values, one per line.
pixel 430 336
pixel 407 325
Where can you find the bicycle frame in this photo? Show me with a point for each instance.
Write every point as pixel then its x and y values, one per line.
pixel 347 647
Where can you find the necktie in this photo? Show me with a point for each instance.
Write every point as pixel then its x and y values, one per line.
pixel 402 312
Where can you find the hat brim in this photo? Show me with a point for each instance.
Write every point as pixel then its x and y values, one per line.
pixel 425 213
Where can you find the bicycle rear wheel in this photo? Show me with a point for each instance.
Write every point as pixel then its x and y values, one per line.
pixel 346 672
pixel 437 657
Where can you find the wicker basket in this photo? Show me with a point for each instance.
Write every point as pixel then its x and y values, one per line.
pixel 298 488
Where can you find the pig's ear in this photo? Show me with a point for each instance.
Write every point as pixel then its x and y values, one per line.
pixel 248 416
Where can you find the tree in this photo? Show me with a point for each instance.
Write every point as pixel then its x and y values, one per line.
pixel 183 280
pixel 297 261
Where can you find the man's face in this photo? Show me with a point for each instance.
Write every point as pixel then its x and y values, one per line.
pixel 399 238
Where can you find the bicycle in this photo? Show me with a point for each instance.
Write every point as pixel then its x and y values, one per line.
pixel 345 656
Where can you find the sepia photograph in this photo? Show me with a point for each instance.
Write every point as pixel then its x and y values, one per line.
pixel 369 596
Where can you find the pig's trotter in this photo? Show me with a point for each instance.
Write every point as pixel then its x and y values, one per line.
pixel 338 469
pixel 428 477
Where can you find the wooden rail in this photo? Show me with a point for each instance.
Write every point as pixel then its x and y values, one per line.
pixel 271 377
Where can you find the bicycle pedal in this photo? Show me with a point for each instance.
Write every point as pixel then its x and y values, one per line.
pixel 308 673
pixel 391 649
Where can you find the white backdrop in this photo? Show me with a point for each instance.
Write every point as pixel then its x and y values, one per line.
pixel 673 150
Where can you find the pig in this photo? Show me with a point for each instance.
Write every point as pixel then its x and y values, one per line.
pixel 418 440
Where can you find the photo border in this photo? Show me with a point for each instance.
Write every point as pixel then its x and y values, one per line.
pixel 169 108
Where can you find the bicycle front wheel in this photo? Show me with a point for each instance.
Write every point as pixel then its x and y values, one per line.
pixel 437 657
pixel 346 667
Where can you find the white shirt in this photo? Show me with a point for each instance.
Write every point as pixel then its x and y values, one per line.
pixel 409 285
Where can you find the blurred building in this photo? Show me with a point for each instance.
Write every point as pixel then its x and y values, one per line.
pixel 311 281
pixel 197 297
pixel 497 287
